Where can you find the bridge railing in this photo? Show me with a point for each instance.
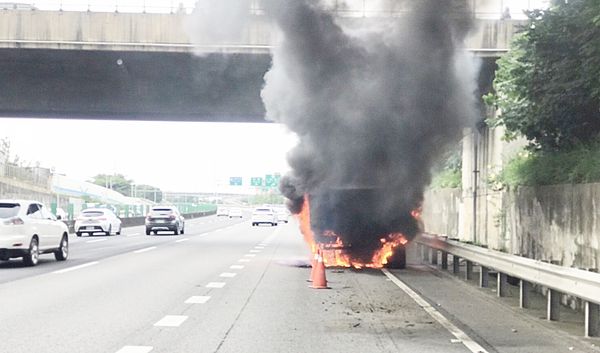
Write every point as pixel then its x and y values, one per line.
pixel 495 9
pixel 556 279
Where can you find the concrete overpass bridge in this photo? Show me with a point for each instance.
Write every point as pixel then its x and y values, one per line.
pixel 142 66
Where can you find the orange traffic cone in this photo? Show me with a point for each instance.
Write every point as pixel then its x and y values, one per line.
pixel 313 266
pixel 318 280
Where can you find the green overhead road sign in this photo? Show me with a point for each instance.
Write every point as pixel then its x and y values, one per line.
pixel 235 181
pixel 256 181
pixel 272 181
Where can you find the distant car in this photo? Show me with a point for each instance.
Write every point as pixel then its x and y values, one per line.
pixel 283 215
pixel 222 211
pixel 97 220
pixel 235 212
pixel 264 215
pixel 165 218
pixel 28 229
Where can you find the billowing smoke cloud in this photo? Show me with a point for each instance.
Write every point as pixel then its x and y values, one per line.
pixel 215 22
pixel 373 106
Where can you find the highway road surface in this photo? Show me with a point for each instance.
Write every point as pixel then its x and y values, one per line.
pixel 226 286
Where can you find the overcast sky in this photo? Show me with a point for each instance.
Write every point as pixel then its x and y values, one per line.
pixel 175 156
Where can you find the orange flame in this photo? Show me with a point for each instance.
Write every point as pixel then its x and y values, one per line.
pixel 334 254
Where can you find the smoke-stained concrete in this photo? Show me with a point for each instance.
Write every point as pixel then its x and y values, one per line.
pixel 372 107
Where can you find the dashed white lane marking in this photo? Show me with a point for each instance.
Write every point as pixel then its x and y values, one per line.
pixel 182 240
pixel 65 270
pixel 250 255
pixel 215 285
pixel 259 247
pixel 144 250
pixel 236 267
pixel 218 230
pixel 254 251
pixel 171 321
pixel 244 260
pixel 197 299
pixel 96 241
pixel 228 274
pixel 135 349
pixel 455 331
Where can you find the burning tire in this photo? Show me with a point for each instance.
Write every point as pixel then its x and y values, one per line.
pixel 398 259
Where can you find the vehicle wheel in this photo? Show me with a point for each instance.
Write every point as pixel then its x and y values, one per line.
pixel 183 230
pixel 398 258
pixel 109 230
pixel 119 232
pixel 63 251
pixel 254 224
pixel 31 259
pixel 156 232
pixel 78 234
pixel 176 231
pixel 147 231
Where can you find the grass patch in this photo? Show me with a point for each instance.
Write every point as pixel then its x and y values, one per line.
pixel 448 178
pixel 578 165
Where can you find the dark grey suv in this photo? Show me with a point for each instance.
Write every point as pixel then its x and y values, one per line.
pixel 165 218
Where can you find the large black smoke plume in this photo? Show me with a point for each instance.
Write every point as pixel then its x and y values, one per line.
pixel 373 106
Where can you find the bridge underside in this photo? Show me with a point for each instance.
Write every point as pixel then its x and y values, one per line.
pixel 131 85
pixel 78 84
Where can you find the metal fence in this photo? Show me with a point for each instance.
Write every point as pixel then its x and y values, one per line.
pixel 29 175
pixel 558 280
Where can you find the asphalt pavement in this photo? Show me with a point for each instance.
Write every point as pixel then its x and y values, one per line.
pixel 226 286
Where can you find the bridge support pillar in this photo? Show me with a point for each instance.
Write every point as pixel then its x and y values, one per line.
pixel 592 320
pixel 469 271
pixel 502 285
pixel 444 260
pixel 455 264
pixel 553 308
pixel 484 278
pixel 524 289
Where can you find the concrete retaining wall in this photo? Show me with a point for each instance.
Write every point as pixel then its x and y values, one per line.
pixel 558 224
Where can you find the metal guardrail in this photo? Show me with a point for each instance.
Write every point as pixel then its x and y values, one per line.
pixel 558 279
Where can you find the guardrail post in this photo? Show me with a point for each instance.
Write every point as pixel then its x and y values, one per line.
pixel 455 264
pixel 501 284
pixel 592 319
pixel 484 278
pixel 553 309
pixel 434 256
pixel 469 271
pixel 444 260
pixel 426 253
pixel 524 289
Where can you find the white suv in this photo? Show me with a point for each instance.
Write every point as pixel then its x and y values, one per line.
pixel 264 215
pixel 28 229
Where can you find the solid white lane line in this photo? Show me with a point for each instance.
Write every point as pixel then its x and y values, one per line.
pixel 244 260
pixel 144 250
pixel 135 349
pixel 95 241
pixel 171 321
pixel 215 285
pixel 236 267
pixel 254 251
pixel 455 331
pixel 228 274
pixel 198 299
pixel 182 240
pixel 250 255
pixel 65 270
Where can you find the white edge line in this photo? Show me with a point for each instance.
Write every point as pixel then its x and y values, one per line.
pixel 144 250
pixel 135 349
pixel 65 270
pixel 182 240
pixel 455 331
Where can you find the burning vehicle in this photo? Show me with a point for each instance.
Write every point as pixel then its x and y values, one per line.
pixel 347 226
